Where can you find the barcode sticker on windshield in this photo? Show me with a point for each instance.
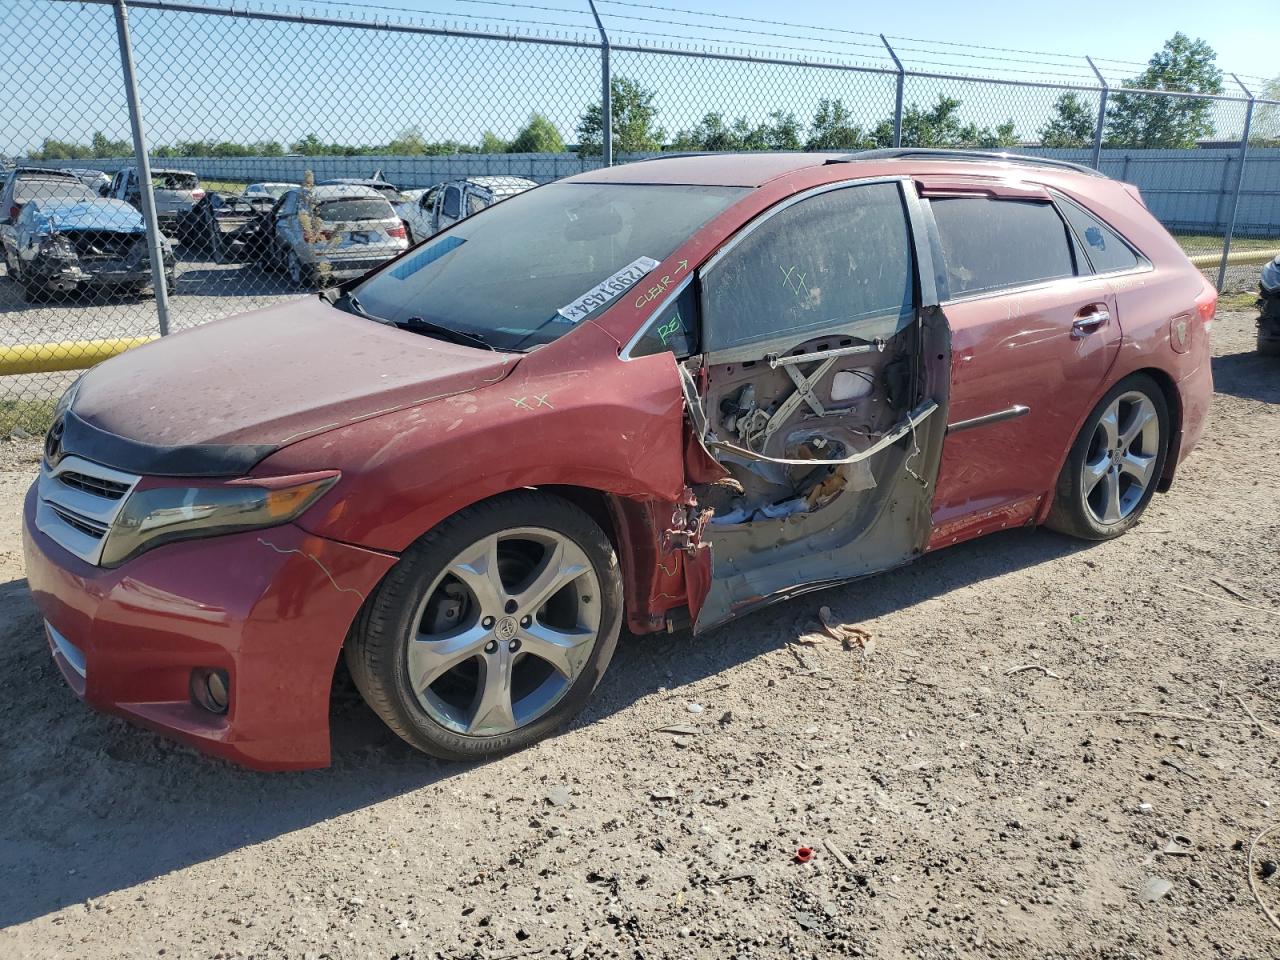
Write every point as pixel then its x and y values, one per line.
pixel 603 292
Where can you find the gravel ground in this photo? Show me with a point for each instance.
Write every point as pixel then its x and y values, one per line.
pixel 981 809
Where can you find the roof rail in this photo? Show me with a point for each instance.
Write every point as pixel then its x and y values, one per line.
pixel 990 156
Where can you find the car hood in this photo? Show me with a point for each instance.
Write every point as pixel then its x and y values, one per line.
pixel 215 400
pixel 113 215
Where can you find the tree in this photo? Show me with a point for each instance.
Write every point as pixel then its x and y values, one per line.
pixel 102 147
pixel 634 121
pixel 1073 123
pixel 490 142
pixel 538 136
pixel 1143 120
pixel 833 128
pixel 1265 130
pixel 940 126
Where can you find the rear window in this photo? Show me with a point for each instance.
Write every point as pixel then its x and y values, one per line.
pixel 993 244
pixel 174 181
pixel 1106 250
pixel 49 188
pixel 536 265
pixel 342 211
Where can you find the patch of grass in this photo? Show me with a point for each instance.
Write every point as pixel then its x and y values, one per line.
pixel 1208 242
pixel 26 416
pixel 224 186
pixel 1245 300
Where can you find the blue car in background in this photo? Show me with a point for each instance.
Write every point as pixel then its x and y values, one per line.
pixel 62 245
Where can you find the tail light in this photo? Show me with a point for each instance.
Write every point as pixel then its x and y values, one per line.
pixel 14 211
pixel 1207 306
pixel 397 231
pixel 197 194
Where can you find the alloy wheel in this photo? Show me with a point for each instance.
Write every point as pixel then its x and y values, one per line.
pixel 1123 451
pixel 504 631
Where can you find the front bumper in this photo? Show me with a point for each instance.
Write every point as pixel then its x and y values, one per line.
pixel 270 607
pixel 67 275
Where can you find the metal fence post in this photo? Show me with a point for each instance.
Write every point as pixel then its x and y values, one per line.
pixel 606 92
pixel 1102 115
pixel 155 247
pixel 1235 202
pixel 897 105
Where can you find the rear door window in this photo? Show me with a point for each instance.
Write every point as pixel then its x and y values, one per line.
pixel 993 244
pixel 839 260
pixel 1107 250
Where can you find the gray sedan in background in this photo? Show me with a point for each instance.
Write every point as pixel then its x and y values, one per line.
pixel 323 234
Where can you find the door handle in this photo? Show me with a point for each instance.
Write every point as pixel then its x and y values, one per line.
pixel 1088 320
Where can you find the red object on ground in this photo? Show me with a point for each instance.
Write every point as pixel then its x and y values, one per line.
pixel 804 854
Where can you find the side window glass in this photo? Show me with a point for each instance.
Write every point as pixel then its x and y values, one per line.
pixel 674 330
pixel 838 261
pixel 1106 250
pixel 476 202
pixel 429 198
pixel 453 203
pixel 992 244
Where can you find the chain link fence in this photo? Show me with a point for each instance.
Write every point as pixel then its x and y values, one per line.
pixel 285 151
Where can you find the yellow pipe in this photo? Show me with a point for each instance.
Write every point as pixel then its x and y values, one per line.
pixel 1236 258
pixel 67 355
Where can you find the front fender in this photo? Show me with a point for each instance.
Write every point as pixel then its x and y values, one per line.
pixel 571 413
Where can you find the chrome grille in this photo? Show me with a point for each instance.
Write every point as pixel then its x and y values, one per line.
pixel 102 487
pixel 78 500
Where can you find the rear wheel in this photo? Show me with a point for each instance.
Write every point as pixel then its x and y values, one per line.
pixel 1113 467
pixel 493 630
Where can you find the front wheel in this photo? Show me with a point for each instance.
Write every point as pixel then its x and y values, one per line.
pixel 492 631
pixel 1113 467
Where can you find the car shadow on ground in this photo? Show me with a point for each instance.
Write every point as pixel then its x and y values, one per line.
pixel 94 805
pixel 1248 375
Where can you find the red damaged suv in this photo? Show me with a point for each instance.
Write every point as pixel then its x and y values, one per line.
pixel 661 394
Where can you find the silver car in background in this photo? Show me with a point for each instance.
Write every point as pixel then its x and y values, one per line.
pixel 430 211
pixel 273 189
pixel 175 192
pixel 320 235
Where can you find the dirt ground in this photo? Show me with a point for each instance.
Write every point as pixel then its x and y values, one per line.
pixel 959 804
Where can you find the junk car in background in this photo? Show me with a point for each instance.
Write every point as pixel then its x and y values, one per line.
pixel 326 233
pixel 272 191
pixel 446 203
pixel 175 192
pixel 63 245
pixel 24 184
pixel 95 180
pixel 226 226
pixel 1269 304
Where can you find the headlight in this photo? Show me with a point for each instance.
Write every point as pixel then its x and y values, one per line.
pixel 159 515
pixel 58 248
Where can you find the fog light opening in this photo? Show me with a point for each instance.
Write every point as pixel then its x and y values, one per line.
pixel 210 689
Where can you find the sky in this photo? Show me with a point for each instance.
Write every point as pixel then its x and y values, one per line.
pixel 220 78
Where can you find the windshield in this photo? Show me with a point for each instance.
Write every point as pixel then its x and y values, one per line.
pixel 49 189
pixel 174 181
pixel 533 266
pixel 337 211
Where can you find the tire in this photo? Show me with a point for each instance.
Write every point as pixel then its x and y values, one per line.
pixel 1113 468
pixel 1268 346
pixel 454 716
